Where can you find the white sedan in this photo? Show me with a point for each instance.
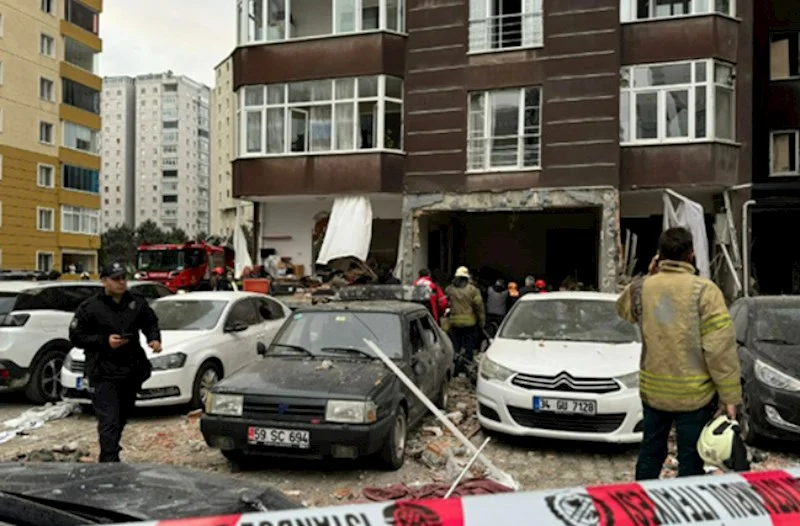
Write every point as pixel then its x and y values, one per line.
pixel 205 336
pixel 563 366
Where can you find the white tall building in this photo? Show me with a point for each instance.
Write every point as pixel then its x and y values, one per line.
pixel 169 176
pixel 117 183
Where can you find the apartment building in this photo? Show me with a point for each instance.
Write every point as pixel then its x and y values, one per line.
pixel 512 136
pixel 119 152
pixel 223 147
pixel 49 125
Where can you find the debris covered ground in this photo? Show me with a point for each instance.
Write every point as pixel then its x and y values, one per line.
pixel 434 456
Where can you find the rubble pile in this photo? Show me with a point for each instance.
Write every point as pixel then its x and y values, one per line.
pixel 66 453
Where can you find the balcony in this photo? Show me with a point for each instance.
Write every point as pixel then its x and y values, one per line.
pixel 698 164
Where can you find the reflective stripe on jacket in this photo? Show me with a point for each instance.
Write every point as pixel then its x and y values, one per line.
pixel 688 339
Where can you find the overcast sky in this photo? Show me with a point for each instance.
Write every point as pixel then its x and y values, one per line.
pixel 189 37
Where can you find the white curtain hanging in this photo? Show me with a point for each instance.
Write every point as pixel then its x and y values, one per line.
pixel 689 214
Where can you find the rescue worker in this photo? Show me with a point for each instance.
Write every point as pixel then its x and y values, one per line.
pixel 496 303
pixel 513 294
pixel 689 365
pixel 530 286
pixel 438 298
pixel 107 328
pixel 217 281
pixel 540 286
pixel 466 317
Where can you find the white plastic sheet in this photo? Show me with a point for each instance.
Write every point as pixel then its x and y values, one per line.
pixel 241 255
pixel 35 418
pixel 689 214
pixel 349 232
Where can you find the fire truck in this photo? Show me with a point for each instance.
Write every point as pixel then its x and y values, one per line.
pixel 181 266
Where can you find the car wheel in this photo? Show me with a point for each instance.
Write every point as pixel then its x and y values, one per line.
pixel 45 382
pixel 748 433
pixel 207 376
pixel 443 397
pixel 393 454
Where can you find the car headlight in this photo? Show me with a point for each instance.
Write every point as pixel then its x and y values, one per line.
pixel 490 370
pixel 168 361
pixel 224 404
pixel 347 412
pixel 631 381
pixel 772 377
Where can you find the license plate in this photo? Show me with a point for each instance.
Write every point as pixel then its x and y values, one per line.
pixel 266 436
pixel 82 384
pixel 564 406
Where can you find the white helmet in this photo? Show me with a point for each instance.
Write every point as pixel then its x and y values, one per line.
pixel 721 445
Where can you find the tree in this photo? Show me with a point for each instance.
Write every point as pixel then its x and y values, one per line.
pixel 149 233
pixel 202 236
pixel 118 244
pixel 177 235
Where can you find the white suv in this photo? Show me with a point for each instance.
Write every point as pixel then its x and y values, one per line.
pixel 34 331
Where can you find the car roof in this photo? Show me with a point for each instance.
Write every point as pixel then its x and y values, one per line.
pixel 213 295
pixel 19 286
pixel 571 295
pixel 392 307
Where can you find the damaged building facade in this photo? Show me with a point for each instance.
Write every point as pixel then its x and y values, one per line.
pixel 514 137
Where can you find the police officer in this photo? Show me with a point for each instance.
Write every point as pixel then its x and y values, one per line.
pixel 107 328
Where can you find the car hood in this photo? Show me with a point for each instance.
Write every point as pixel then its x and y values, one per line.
pixel 171 341
pixel 143 492
pixel 580 359
pixel 785 357
pixel 306 377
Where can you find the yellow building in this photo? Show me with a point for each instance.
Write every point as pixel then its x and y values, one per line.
pixel 49 134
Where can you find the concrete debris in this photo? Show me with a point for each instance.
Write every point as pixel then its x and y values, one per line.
pixel 434 431
pixel 456 417
pixel 66 453
pixel 343 493
pixel 194 416
pixel 325 365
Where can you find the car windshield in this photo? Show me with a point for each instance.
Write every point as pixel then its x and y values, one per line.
pixel 579 320
pixel 7 300
pixel 778 324
pixel 188 315
pixel 326 333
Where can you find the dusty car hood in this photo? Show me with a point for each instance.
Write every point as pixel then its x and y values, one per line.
pixel 581 359
pixel 306 377
pixel 139 491
pixel 786 357
pixel 185 341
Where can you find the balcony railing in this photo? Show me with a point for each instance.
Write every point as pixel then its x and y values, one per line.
pixel 505 32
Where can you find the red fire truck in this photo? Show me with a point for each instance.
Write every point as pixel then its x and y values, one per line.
pixel 181 266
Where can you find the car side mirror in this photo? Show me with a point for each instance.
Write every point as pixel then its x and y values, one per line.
pixel 261 349
pixel 236 327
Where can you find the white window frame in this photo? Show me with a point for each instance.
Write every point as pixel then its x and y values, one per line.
pixel 772 135
pixel 710 86
pixel 97 138
pixel 39 226
pixel 39 175
pixel 52 260
pixel 84 217
pixel 242 21
pixel 629 8
pixel 487 133
pixel 52 97
pixel 52 133
pixel 481 25
pixel 379 100
pixel 51 52
pixel 797 41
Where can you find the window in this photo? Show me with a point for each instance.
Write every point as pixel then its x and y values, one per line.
pixel 46 89
pixel 83 17
pixel 277 20
pixel 347 114
pixel 169 199
pixel 784 56
pixel 784 152
pixel 44 176
pixel 2 70
pixel 44 261
pixel 45 219
pixel 47 45
pixel 504 130
pixel 81 179
pixel 80 96
pixel 47 6
pixel 81 138
pixel 45 132
pixel 677 102
pixel 505 24
pixel 80 55
pixel 78 220
pixel 632 10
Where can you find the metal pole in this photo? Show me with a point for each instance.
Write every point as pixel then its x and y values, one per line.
pixel 746 246
pixel 467 468
pixel 732 228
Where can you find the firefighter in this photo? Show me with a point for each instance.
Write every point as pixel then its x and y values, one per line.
pixel 689 366
pixel 467 316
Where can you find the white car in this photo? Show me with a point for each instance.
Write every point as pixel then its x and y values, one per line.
pixel 205 337
pixel 563 366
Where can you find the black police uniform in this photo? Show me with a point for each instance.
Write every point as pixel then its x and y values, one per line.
pixel 115 375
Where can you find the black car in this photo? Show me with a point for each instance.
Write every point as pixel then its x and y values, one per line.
pixel 68 494
pixel 319 390
pixel 768 337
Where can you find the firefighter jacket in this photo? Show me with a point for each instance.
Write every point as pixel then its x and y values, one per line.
pixel 689 351
pixel 466 304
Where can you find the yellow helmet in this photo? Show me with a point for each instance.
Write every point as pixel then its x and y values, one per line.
pixel 721 445
pixel 462 272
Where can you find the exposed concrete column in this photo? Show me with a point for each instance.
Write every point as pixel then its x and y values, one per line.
pixel 610 249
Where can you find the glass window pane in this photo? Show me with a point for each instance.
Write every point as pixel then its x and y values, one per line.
pixel 393 123
pixel 368 121
pixel 367 87
pixel 345 88
pixel 276 94
pixel 701 6
pixel 321 90
pixel 275 126
pixel 345 126
pixel 700 127
pixel 724 6
pixel 476 154
pixel 345 17
pixel 255 20
pixel 662 75
pixel 647 115
pixel 277 20
pixel 700 71
pixel 369 15
pixel 299 92
pixel 505 112
pixel 624 116
pixel 676 110
pixel 784 153
pixel 299 131
pixel 320 128
pixel 672 7
pixel 625 78
pixel 394 87
pixel 643 9
pixel 725 125
pixel 723 74
pixel 254 96
pixel 253 131
pixel 392 15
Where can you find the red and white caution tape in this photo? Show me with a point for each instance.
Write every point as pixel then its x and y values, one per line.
pixel 753 499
